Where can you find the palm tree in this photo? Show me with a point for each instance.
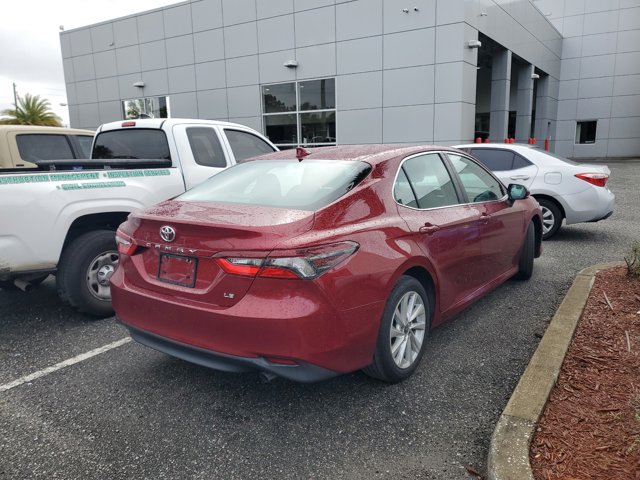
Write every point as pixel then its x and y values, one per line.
pixel 31 110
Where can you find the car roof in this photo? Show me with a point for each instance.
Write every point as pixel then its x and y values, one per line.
pixel 44 129
pixel 503 146
pixel 372 154
pixel 168 122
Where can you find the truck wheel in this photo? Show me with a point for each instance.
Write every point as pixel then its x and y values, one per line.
pixel 84 270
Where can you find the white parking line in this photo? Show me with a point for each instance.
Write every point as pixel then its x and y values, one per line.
pixel 64 364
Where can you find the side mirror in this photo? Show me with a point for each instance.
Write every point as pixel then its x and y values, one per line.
pixel 516 192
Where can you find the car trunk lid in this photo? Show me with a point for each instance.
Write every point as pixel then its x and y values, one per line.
pixel 178 244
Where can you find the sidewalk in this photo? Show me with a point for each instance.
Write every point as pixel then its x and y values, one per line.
pixel 509 450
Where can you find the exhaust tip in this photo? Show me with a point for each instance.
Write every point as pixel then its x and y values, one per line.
pixel 22 285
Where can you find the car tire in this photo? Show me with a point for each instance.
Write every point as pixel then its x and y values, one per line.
pixel 525 265
pixel 84 271
pixel 405 323
pixel 551 218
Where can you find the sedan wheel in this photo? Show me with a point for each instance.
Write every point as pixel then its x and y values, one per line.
pixel 551 218
pixel 403 329
pixel 407 330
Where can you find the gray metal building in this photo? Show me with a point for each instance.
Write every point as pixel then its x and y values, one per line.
pixel 319 72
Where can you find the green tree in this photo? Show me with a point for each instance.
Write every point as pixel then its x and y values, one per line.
pixel 31 110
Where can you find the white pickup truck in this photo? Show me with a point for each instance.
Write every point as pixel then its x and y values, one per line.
pixel 61 219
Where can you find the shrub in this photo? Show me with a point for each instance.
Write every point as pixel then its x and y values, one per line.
pixel 633 260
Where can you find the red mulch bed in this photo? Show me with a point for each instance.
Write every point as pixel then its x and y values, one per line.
pixel 590 428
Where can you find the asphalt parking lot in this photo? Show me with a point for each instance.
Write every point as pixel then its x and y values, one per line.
pixel 131 412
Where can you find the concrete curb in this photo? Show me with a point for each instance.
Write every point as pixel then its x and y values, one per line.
pixel 509 450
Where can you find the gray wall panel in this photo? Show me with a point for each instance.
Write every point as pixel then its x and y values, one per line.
pixel 242 71
pixel 150 27
pixel 359 126
pixel 109 111
pixel 153 55
pixel 409 86
pixel 206 15
pixel 182 79
pixel 315 26
pixel 358 19
pixel 350 57
pixel 125 32
pixel 179 51
pixel 156 83
pixel 272 69
pixel 244 101
pixel 108 89
pixel 241 40
pixel 83 68
pixel 316 61
pixel 276 34
pixel 359 91
pixel 410 124
pixel 409 49
pixel 102 37
pixel 105 64
pixel 274 8
pixel 128 60
pixel 209 45
pixel 177 21
pixel 396 20
pixel 184 105
pixel 86 92
pixel 211 75
pixel 212 104
pixel 80 42
pixel 238 11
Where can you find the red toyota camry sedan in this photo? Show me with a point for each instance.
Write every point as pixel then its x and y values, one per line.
pixel 309 264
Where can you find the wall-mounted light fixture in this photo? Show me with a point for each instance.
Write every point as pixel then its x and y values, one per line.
pixel 475 43
pixel 291 64
pixel 535 76
pixel 138 84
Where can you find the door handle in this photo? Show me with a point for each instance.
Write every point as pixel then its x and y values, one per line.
pixel 484 218
pixel 429 228
pixel 519 177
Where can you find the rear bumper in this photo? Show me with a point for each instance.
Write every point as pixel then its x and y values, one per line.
pixel 590 205
pixel 302 372
pixel 296 334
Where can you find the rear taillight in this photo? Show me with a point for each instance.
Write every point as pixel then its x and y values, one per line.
pixel 597 179
pixel 305 263
pixel 125 244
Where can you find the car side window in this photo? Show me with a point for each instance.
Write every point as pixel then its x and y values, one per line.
pixel 477 183
pixel 429 179
pixel 402 191
pixel 206 147
pixel 494 159
pixel 245 145
pixel 34 147
pixel 85 142
pixel 520 162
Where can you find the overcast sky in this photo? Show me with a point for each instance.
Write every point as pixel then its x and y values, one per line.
pixel 30 42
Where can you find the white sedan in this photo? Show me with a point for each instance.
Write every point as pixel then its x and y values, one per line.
pixel 564 189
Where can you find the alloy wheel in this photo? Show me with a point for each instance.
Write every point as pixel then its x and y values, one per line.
pixel 407 329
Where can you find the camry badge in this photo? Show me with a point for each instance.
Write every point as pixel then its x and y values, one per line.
pixel 167 233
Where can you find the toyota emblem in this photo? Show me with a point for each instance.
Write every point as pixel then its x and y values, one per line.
pixel 167 233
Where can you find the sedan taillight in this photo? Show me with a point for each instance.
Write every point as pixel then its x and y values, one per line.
pixel 307 263
pixel 597 179
pixel 125 244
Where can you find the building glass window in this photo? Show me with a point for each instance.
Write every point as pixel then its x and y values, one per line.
pixel 147 107
pixel 586 131
pixel 300 113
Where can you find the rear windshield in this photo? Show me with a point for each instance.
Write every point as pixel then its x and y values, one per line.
pixel 131 143
pixel 306 185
